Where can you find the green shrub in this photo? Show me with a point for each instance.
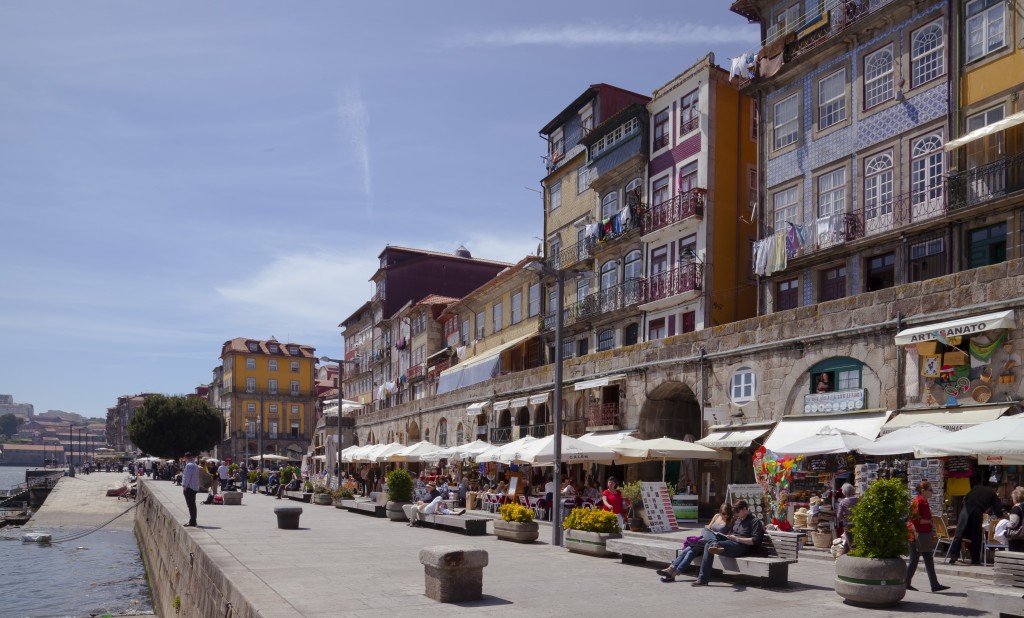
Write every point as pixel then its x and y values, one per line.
pixel 879 520
pixel 631 491
pixel 591 520
pixel 399 483
pixel 286 474
pixel 516 512
pixel 251 476
pixel 343 493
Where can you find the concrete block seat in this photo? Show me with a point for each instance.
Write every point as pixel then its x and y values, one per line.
pixel 471 526
pixel 453 574
pixel 364 507
pixel 1005 596
pixel 301 496
pixel 288 517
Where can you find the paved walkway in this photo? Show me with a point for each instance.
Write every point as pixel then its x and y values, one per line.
pixel 347 564
pixel 81 502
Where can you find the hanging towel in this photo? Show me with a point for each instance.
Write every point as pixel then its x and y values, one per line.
pixel 982 353
pixel 625 216
pixel 590 230
pixel 738 66
pixel 792 241
pixel 779 260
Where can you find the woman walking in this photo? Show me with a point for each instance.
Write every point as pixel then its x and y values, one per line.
pixel 924 537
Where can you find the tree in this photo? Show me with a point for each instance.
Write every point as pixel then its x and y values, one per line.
pixel 9 424
pixel 170 426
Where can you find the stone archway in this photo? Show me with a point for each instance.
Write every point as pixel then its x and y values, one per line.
pixel 414 432
pixel 670 410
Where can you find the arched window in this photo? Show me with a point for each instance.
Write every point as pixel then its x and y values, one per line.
pixel 605 340
pixel 926 57
pixel 633 266
pixel 609 274
pixel 841 373
pixel 634 192
pixel 609 204
pixel 579 410
pixel 442 432
pixel 926 169
pixel 632 334
pixel 460 435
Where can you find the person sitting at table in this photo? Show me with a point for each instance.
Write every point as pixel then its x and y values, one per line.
pixel 434 504
pixel 593 493
pixel 568 489
pixel 721 523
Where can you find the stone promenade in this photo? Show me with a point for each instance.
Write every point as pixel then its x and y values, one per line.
pixel 345 564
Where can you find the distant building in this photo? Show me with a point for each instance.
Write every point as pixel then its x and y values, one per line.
pixel 9 406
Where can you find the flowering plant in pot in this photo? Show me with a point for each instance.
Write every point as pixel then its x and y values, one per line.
pixel 587 531
pixel 874 573
pixel 631 491
pixel 516 524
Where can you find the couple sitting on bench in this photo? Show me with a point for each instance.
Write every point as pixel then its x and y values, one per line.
pixel 433 504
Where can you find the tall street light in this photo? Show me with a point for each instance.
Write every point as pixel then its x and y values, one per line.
pixel 341 391
pixel 70 455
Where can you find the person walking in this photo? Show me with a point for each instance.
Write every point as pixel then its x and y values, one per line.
pixel 924 537
pixel 980 499
pixel 611 500
pixel 190 483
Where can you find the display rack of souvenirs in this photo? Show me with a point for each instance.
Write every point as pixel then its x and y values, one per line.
pixel 931 470
pixel 967 369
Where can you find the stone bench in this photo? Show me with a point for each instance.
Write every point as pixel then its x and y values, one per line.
pixel 472 526
pixel 1006 594
pixel 366 508
pixel 453 574
pixel 781 549
pixel 301 496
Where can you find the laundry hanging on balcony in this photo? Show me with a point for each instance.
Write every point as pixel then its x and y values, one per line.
pixel 742 65
pixel 611 225
pixel 592 230
pixel 796 238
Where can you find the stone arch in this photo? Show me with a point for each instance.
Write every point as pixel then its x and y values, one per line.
pixel 460 434
pixel 797 381
pixel 523 416
pixel 391 436
pixel 541 415
pixel 505 418
pixel 414 431
pixel 670 409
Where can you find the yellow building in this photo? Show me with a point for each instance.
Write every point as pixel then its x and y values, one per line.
pixel 270 395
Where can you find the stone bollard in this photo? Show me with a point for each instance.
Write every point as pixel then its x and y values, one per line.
pixel 453 573
pixel 288 517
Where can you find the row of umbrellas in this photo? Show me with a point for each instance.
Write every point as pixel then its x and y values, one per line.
pixel 999 441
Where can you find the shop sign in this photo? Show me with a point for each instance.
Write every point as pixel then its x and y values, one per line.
pixel 839 401
pixel 952 331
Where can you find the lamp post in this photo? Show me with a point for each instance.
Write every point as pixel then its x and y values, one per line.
pixel 69 457
pixel 341 391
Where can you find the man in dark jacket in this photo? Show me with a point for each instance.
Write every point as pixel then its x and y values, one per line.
pixel 981 498
pixel 747 534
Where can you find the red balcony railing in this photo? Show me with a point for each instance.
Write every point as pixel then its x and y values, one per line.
pixel 435 370
pixel 679 208
pixel 415 372
pixel 602 414
pixel 683 278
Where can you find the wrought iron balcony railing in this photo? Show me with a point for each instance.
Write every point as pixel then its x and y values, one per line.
pixel 501 435
pixel 680 208
pixel 605 301
pixel 683 278
pixel 415 372
pixel 987 182
pixel 602 414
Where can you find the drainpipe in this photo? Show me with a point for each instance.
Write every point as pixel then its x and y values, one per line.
pixel 702 390
pixel 901 370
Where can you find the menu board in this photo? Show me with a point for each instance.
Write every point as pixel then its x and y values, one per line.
pixel 959 466
pixel 658 506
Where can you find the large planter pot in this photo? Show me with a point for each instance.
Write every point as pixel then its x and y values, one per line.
pixel 288 517
pixel 232 497
pixel 871 582
pixel 323 499
pixel 518 531
pixel 395 512
pixel 590 543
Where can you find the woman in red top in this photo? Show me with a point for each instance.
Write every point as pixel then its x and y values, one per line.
pixel 924 541
pixel 611 499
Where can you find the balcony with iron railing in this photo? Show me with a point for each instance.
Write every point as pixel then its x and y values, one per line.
pixel 680 208
pixel 435 370
pixel 686 277
pixel 603 416
pixel 612 299
pixel 382 354
pixel 415 372
pixel 984 183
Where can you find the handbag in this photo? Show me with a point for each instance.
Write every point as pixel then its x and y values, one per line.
pixel 926 542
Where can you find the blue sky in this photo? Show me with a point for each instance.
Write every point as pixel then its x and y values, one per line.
pixel 173 175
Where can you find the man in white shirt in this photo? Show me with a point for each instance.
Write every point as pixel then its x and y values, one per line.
pixel 190 483
pixel 222 472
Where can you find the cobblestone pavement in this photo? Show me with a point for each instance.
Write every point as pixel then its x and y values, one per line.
pixel 346 564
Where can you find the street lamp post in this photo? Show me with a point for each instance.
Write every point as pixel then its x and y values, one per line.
pixel 69 457
pixel 341 363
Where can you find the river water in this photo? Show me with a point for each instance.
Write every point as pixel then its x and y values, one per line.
pixel 97 574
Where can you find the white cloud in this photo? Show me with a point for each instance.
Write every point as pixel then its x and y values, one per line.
pixel 593 34
pixel 355 127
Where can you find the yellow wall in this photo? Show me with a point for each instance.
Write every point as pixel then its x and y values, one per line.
pixel 990 78
pixel 238 374
pixel 574 206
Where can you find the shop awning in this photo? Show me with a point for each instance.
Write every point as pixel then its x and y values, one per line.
pixel 952 419
pixel 609 438
pixel 965 326
pixel 540 398
pixel 474 409
pixel 500 405
pixel 519 402
pixel 1006 123
pixel 476 369
pixel 733 437
pixel 793 428
pixel 598 382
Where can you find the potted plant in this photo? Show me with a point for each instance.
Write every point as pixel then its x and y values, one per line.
pixel 874 573
pixel 399 491
pixel 587 531
pixel 516 524
pixel 631 491
pixel 342 493
pixel 322 494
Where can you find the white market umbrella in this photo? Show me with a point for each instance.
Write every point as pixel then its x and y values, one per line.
pixel 413 452
pixel 993 442
pixel 504 453
pixel 665 448
pixel 542 452
pixel 474 448
pixel 903 440
pixel 379 452
pixel 348 452
pixel 828 441
pixel 269 457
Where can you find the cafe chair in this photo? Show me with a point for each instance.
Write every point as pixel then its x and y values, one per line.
pixel 991 544
pixel 943 540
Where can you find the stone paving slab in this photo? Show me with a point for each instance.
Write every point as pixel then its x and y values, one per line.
pixel 344 564
pixel 81 502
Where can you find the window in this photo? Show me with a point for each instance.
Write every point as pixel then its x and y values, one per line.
pixel 555 249
pixel 689 322
pixel 295 409
pixel 496 316
pixel 926 54
pixel 273 408
pixel 568 347
pixel 878 185
pixel 634 192
pixel 250 407
pixel 633 268
pixel 632 334
pixel 986 245
pixel 787 295
pixel 250 363
pixel 986 27
pixel 689 113
pixel 273 430
pixel 582 288
pixel 843 374
pixel 881 272
pixel 272 386
pixel 464 333
pixel 273 348
pixel 295 431
pixel 605 340
pixel 785 208
pixel 660 191
pixel 786 112
pixel 587 120
pixel 517 307
pixel 552 301
pixel 582 347
pixel 687 248
pixel 293 349
pixel 832 193
pixel 659 260
pixel 833 284
pixel 661 130
pixel 294 387
pixel 480 325
pixel 741 390
pixel 609 204
pixel 295 366
pixel 927 259
pixel 878 77
pixel 926 169
pixel 250 385
pixel 609 274
pixel 253 346
pixel 272 364
pixel 832 99
pixel 555 195
pixel 656 329
pixel 755 120
pixel 533 298
pixel 984 150
pixel 688 178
